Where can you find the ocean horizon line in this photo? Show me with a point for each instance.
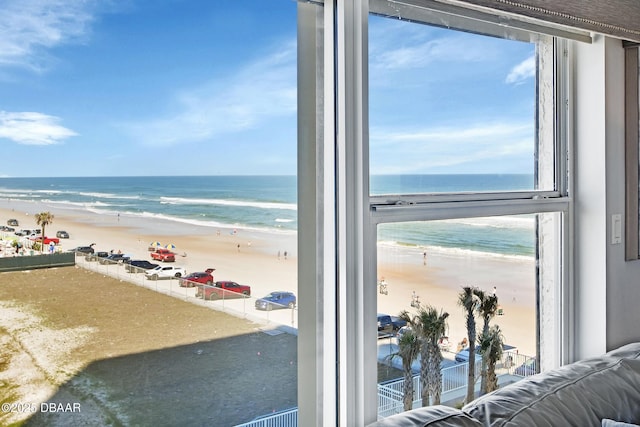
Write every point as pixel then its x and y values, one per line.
pixel 252 175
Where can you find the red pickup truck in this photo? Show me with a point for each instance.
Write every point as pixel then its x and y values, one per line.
pixel 47 240
pixel 223 289
pixel 163 255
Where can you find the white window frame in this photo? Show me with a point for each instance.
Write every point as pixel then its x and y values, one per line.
pixel 338 218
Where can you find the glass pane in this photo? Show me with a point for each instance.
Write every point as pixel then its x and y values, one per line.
pixel 428 263
pixel 450 111
pixel 156 133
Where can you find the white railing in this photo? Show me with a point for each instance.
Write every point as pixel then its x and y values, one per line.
pixel 390 398
pixel 287 418
pixel 390 394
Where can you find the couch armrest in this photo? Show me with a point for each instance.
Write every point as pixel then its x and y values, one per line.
pixel 578 394
pixel 433 416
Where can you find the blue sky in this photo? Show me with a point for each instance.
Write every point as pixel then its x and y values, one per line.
pixel 185 87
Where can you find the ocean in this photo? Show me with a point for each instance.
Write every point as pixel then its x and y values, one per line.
pixel 268 203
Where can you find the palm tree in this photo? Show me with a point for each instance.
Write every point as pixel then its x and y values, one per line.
pixel 434 326
pixel 408 350
pixel 487 308
pixel 415 322
pixel 468 300
pixel 491 348
pixel 43 219
pixel 429 326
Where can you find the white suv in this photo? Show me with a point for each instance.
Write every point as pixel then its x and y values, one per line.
pixel 165 271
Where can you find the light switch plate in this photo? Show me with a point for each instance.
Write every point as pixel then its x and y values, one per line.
pixel 616 229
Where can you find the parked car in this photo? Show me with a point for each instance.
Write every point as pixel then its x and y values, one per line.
pixel 528 368
pixel 163 254
pixel 61 234
pixel 84 249
pixel 138 265
pixel 165 272
pixel 398 323
pixel 463 355
pixel 193 279
pixel 276 300
pixel 114 258
pixel 385 326
pixel 223 289
pixel 13 222
pixel 96 255
pixel 403 331
pixel 46 240
pixel 8 229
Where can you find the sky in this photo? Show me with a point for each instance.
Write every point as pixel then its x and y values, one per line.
pixel 197 87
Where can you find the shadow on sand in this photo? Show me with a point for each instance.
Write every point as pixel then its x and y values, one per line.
pixel 221 382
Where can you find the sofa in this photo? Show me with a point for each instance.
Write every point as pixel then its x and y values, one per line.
pixel 601 391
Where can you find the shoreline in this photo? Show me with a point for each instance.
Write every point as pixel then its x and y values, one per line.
pixel 250 257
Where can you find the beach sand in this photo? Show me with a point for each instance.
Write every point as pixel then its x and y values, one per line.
pixel 251 257
pixel 440 282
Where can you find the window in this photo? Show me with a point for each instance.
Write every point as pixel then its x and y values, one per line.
pixel 359 193
pixel 462 137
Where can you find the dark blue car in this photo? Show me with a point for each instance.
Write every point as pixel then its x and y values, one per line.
pixel 276 300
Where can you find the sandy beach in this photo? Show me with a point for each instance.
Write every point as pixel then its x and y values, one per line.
pixel 251 257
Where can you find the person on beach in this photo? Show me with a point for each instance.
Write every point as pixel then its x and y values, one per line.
pixel 415 300
pixel 424 258
pixel 383 286
pixel 285 254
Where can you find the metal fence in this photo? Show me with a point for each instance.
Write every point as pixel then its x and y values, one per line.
pixel 230 302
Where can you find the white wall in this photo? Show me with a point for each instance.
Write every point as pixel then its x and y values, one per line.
pixel 607 287
pixel 589 192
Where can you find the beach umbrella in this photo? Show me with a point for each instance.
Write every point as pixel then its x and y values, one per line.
pixel 170 246
pixel 155 244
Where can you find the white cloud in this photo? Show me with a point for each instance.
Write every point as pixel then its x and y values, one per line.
pixel 429 150
pixel 523 71
pixel 418 53
pixel 32 128
pixel 256 94
pixel 29 27
pixel 453 134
